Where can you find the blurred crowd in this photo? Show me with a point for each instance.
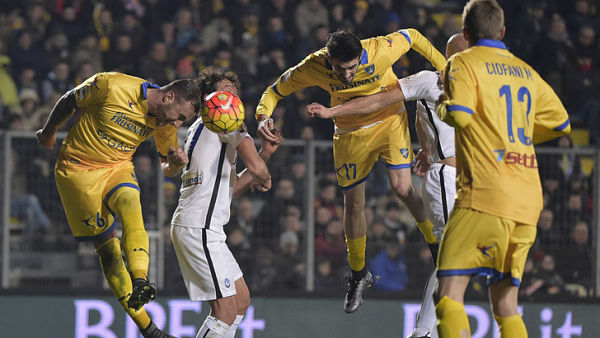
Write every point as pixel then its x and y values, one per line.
pixel 48 47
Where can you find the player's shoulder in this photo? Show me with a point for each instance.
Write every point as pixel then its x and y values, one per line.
pixel 315 58
pixel 112 79
pixel 235 137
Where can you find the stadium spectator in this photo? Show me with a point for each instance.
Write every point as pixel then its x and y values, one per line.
pixel 390 266
pixel 325 277
pixel 575 260
pixel 581 15
pixel 87 50
pixel 549 234
pixel 26 54
pixel 157 67
pixel 31 116
pixel 551 53
pixel 8 88
pixel 57 81
pixel 291 268
pixel 331 244
pixel 545 280
pixel 310 14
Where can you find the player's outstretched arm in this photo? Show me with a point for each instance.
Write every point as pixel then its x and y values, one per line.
pixel 359 106
pixel 62 111
pixel 246 179
pixel 422 160
pixel 421 45
pixel 176 160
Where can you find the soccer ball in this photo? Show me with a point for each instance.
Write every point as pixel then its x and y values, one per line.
pixel 222 112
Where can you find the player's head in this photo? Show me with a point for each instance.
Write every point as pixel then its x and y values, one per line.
pixel 343 53
pixel 456 43
pixel 212 79
pixel 483 19
pixel 179 102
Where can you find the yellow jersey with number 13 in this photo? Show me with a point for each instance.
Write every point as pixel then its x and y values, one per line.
pixel 500 107
pixel 114 121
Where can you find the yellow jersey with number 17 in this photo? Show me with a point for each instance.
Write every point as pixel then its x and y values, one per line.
pixel 113 122
pixel 500 107
pixel 374 75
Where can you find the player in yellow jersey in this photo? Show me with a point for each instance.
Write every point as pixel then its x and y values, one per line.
pixel 500 107
pixel 347 68
pixel 95 178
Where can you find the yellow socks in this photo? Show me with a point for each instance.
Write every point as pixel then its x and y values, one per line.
pixel 452 319
pixel 512 326
pixel 118 278
pixel 126 204
pixel 426 228
pixel 356 252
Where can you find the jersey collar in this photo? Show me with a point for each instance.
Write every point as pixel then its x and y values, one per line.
pixel 364 58
pixel 491 43
pixel 145 86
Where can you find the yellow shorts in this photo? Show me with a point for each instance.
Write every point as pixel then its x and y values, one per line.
pixel 479 243
pixel 355 152
pixel 85 193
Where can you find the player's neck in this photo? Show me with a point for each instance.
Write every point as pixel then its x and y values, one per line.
pixel 153 98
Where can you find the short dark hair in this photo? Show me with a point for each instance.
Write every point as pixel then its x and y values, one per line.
pixel 209 77
pixel 483 19
pixel 344 46
pixel 186 90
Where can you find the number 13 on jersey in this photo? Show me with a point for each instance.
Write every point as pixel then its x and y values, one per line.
pixel 522 93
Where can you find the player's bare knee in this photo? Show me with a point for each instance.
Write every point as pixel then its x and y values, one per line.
pixel 243 303
pixel 402 189
pixel 224 309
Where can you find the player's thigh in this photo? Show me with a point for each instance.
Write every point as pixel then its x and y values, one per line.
pixel 353 156
pixel 121 177
pixel 475 242
pixel 504 298
pixel 521 240
pixel 452 287
pixel 438 191
pixel 81 193
pixel 242 295
pixel 207 265
pixel 391 139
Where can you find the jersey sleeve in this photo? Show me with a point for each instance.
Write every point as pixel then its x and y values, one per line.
pixel 421 45
pixel 419 86
pixel 291 80
pixel 460 87
pixel 551 118
pixel 236 137
pixel 165 137
pixel 92 91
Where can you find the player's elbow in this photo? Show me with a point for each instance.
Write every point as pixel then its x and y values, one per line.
pixel 258 169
